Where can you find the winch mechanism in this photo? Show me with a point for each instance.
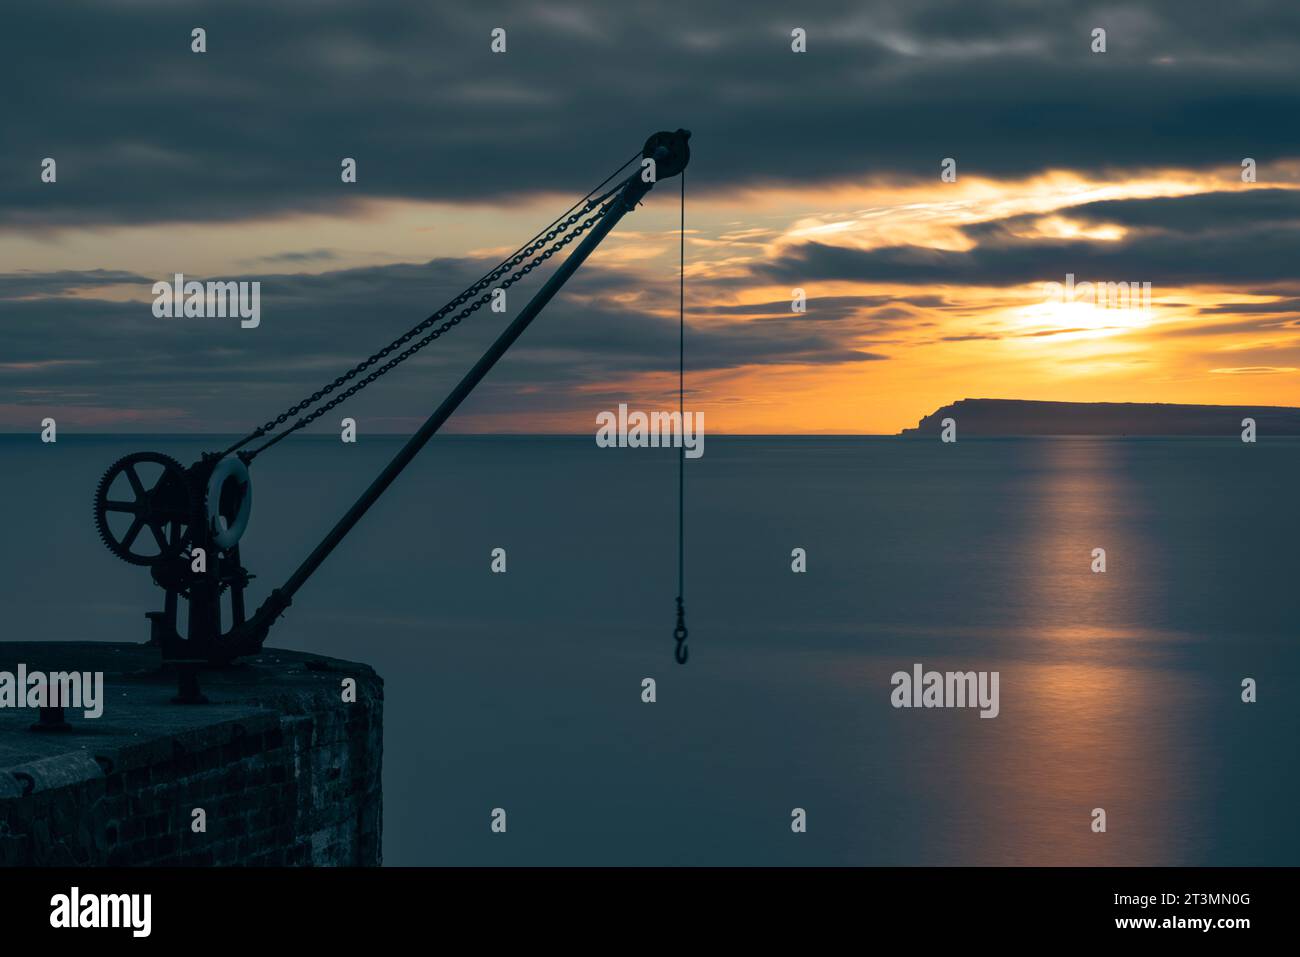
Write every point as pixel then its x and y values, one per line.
pixel 185 523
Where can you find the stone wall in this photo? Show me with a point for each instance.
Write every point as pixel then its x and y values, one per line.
pixel 286 770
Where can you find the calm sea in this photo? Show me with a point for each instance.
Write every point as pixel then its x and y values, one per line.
pixel 523 691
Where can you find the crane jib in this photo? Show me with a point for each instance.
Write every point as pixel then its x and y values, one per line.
pixel 204 508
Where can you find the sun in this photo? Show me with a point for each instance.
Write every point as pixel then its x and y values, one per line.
pixel 1080 319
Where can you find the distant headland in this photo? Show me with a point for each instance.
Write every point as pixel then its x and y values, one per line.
pixel 1012 417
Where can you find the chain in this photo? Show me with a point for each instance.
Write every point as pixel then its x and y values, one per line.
pixel 579 209
pixel 478 287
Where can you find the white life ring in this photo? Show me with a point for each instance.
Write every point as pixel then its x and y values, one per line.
pixel 226 534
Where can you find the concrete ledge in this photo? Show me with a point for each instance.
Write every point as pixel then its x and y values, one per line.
pixel 284 770
pixel 57 771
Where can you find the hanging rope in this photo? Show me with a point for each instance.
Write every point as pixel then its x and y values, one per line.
pixel 679 633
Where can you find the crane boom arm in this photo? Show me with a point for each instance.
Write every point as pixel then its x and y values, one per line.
pixel 671 154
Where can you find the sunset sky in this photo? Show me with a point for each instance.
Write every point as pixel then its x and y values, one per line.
pixel 818 171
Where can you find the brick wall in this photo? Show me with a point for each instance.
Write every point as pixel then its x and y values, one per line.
pixel 294 780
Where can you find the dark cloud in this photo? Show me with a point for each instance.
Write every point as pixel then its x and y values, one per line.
pixel 1287 306
pixel 1256 370
pixel 314 327
pixel 831 308
pixel 1197 214
pixel 1234 328
pixel 1226 239
pixel 145 130
pixel 20 285
pixel 298 256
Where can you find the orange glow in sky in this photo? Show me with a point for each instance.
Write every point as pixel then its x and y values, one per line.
pixel 897 359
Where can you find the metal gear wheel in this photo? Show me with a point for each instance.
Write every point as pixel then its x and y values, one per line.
pixel 165 509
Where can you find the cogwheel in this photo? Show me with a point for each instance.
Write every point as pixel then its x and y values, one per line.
pixel 165 509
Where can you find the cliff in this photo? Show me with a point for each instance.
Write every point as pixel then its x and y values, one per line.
pixel 1013 417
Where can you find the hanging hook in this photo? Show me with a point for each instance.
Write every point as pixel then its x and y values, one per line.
pixel 679 634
